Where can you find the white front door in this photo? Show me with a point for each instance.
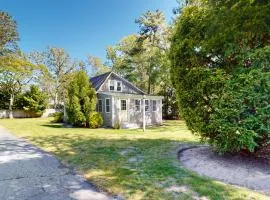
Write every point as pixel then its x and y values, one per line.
pixel 123 110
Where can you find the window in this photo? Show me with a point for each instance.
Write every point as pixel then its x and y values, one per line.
pixel 119 86
pixel 146 104
pixel 154 105
pixel 123 104
pixel 100 105
pixel 111 85
pixel 108 105
pixel 137 105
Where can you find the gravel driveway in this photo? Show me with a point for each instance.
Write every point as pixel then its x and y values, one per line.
pixel 232 169
pixel 26 172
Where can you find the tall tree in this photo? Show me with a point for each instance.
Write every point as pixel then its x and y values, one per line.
pixel 96 65
pixel 153 40
pixel 8 32
pixel 143 58
pixel 16 71
pixel 140 57
pixel 81 100
pixel 59 65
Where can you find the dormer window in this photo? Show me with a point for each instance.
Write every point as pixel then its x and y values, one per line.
pixel 119 86
pixel 111 85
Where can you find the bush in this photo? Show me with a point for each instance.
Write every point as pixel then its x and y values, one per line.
pixel 58 117
pixel 221 72
pixel 95 120
pixel 81 100
pixel 117 125
pixel 34 101
pixel 241 114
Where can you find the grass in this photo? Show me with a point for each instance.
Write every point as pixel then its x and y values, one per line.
pixel 132 163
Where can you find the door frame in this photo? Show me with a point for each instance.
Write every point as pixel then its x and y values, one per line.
pixel 122 111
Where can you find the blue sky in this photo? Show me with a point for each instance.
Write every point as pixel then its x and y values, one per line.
pixel 82 27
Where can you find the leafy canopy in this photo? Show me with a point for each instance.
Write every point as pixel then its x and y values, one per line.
pixel 34 101
pixel 8 32
pixel 220 68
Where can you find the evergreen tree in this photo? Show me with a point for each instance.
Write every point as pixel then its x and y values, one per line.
pixel 81 100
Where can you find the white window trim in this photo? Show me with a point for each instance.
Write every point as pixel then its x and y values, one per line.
pixel 139 105
pixel 111 81
pixel 153 105
pixel 101 105
pixel 106 105
pixel 120 86
pixel 121 104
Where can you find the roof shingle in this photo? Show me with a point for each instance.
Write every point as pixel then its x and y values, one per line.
pixel 98 80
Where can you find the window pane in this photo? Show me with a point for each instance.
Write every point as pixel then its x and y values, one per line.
pixel 137 105
pixel 107 105
pixel 111 85
pixel 123 104
pixel 99 105
pixel 146 105
pixel 119 86
pixel 154 105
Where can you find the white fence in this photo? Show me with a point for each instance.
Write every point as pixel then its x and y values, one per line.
pixel 48 112
pixel 24 114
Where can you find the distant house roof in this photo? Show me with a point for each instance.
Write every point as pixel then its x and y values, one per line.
pixel 98 81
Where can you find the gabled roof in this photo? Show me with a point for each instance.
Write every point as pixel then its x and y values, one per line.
pixel 98 81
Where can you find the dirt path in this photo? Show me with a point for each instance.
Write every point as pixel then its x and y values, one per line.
pixel 232 169
pixel 26 172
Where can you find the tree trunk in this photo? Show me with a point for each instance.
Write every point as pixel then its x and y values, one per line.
pixel 11 100
pixel 55 99
pixel 56 93
pixel 65 113
pixel 149 86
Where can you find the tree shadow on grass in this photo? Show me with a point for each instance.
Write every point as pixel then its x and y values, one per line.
pixel 53 125
pixel 144 167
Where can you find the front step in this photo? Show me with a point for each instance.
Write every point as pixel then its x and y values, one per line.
pixel 129 126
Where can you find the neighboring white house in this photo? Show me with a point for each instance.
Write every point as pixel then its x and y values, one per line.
pixel 121 102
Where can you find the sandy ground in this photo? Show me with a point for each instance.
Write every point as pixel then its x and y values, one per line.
pixel 232 169
pixel 26 172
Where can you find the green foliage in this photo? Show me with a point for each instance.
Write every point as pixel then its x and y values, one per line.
pixel 95 120
pixel 241 117
pixel 81 100
pixel 58 117
pixel 4 99
pixel 97 66
pixel 59 67
pixel 8 32
pixel 142 58
pixel 220 69
pixel 117 125
pixel 34 101
pixel 16 71
pixel 170 108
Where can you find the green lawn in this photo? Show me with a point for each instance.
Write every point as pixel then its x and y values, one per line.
pixel 132 163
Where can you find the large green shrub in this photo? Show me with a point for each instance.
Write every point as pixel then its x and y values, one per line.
pixel 34 101
pixel 220 69
pixel 81 100
pixel 241 116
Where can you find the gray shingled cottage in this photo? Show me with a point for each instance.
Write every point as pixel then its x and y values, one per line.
pixel 121 102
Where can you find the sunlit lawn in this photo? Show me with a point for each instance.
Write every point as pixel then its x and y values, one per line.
pixel 129 163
